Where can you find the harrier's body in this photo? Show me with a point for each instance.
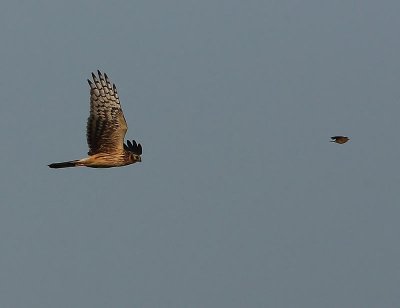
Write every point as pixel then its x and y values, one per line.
pixel 340 139
pixel 106 129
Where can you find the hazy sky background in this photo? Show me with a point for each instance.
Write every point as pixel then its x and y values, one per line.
pixel 241 200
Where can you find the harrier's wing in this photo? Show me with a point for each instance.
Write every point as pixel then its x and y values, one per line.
pixel 106 125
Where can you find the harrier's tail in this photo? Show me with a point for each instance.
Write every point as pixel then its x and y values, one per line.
pixel 65 164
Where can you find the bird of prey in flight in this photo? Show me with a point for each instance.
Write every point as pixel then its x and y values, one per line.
pixel 340 139
pixel 105 130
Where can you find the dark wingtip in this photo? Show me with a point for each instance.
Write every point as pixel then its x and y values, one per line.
pixel 133 147
pixel 66 164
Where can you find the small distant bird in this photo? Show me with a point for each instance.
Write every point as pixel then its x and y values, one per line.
pixel 340 139
pixel 105 130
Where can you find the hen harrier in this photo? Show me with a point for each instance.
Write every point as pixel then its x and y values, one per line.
pixel 105 130
pixel 340 139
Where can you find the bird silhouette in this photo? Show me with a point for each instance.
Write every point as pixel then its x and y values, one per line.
pixel 105 130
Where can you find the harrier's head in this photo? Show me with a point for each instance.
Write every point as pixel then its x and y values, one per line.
pixel 135 150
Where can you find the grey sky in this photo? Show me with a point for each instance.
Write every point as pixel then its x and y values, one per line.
pixel 241 200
